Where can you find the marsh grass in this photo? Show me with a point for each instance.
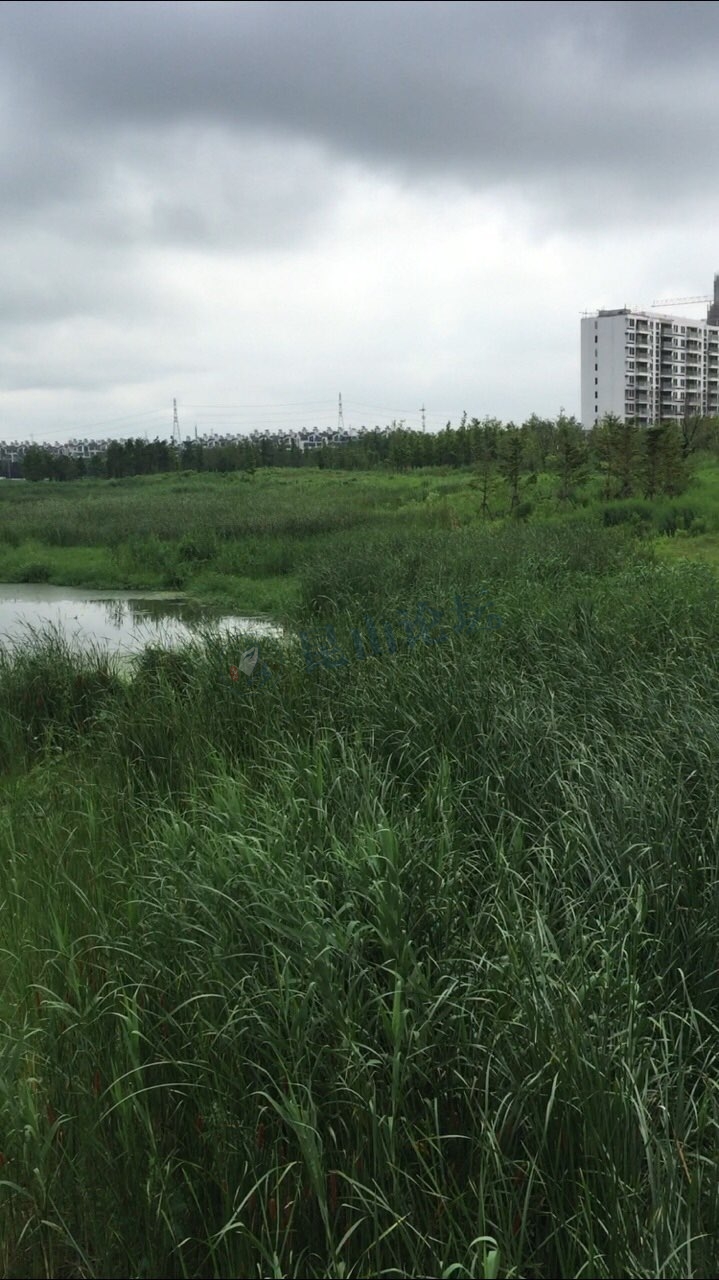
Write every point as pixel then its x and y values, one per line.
pixel 405 968
pixel 227 538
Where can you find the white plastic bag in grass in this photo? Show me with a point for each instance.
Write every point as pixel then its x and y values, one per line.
pixel 248 661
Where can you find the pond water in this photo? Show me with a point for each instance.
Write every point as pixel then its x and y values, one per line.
pixel 121 621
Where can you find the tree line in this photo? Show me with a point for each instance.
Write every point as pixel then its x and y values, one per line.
pixel 632 460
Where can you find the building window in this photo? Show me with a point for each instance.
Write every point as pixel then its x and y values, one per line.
pixel 596 368
pixel 596 382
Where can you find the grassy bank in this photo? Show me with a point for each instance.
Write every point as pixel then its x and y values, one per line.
pixel 222 537
pixel 243 543
pixel 403 967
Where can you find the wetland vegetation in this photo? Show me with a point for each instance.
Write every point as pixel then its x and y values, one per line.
pixel 404 968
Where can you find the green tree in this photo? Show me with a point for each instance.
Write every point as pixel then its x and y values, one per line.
pixel 599 438
pixel 399 451
pixel 571 455
pixel 268 452
pixel 538 436
pixel 191 456
pixel 712 437
pixel 617 446
pixel 625 446
pixel 511 457
pixel 464 442
pixel 36 463
pixel 115 460
pixel 485 461
pixel 448 452
pixel 671 465
pixel 223 458
pixel 62 467
pixel 696 432
pixel 651 455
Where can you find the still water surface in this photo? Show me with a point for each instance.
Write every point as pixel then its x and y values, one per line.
pixel 121 621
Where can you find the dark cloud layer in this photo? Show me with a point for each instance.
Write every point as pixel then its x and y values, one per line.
pixel 489 92
pixel 146 147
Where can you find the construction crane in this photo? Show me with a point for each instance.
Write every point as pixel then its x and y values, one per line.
pixel 681 302
pixel 665 302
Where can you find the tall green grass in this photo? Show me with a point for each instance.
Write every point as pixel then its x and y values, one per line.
pixel 402 968
pixel 227 537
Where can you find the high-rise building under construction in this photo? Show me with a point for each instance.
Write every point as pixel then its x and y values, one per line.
pixel 650 367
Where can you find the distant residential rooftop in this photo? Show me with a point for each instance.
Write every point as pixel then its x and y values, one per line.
pixel 664 316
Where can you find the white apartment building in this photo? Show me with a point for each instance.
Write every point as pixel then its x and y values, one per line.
pixel 652 368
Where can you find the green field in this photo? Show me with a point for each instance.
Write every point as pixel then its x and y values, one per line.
pixel 242 542
pixel 402 967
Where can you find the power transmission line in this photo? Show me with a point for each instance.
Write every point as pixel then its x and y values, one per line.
pixel 281 404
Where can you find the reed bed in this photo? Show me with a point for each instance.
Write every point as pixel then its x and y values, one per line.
pixel 402 968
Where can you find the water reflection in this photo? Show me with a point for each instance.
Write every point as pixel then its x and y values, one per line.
pixel 122 621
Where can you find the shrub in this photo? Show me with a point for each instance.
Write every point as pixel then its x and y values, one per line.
pixel 199 546
pixel 36 571
pixel 634 513
pixel 685 516
pixel 174 578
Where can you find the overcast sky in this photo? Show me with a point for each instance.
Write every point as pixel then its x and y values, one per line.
pixel 259 205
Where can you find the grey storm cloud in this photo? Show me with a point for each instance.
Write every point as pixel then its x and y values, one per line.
pixel 487 93
pixel 295 185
